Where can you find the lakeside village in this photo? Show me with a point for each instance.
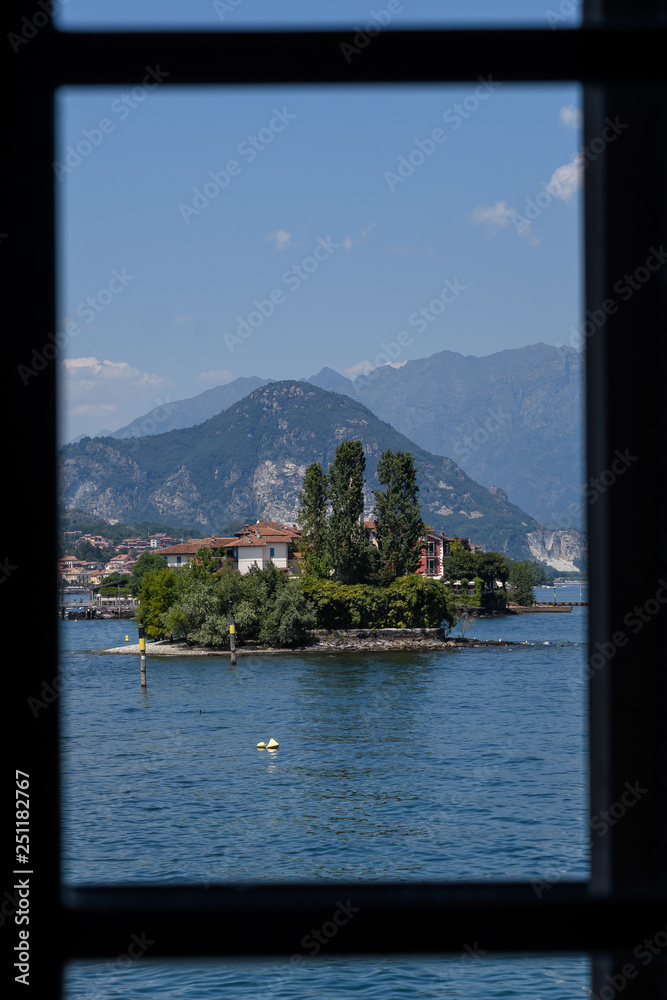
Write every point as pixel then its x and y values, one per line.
pixel 331 570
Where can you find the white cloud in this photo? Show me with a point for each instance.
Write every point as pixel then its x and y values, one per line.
pixel 216 376
pixel 571 116
pixel 81 363
pixel 349 241
pixel 566 180
pixel 499 216
pixel 103 385
pixel 281 239
pixel 496 217
pixel 91 410
pixel 107 370
pixel 361 368
pixel 96 390
pixel 364 367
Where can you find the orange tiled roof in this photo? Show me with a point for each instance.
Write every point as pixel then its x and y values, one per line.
pixel 262 533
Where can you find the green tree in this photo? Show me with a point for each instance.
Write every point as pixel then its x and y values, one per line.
pixel 262 586
pixel 492 566
pixel 460 563
pixel 291 620
pixel 116 583
pixel 159 590
pixel 312 519
pixel 399 525
pixel 409 602
pixel 88 552
pixel 347 538
pixel 199 616
pixel 520 588
pixel 146 562
pixel 201 567
pixel 416 602
pixel 541 575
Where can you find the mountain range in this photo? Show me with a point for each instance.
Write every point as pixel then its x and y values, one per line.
pixel 247 462
pixel 513 419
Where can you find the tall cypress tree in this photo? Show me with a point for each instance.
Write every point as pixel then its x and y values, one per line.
pixel 399 525
pixel 312 518
pixel 347 536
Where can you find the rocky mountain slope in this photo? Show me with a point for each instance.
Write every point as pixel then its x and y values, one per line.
pixel 565 551
pixel 248 462
pixel 512 419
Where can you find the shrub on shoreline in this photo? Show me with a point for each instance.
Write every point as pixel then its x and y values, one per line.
pixel 409 602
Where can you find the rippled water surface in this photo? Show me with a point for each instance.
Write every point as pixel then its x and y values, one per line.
pixel 451 765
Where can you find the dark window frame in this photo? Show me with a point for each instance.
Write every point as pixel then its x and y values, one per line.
pixel 625 900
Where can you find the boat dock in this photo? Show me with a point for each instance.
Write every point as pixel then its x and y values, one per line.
pixel 548 607
pixel 81 612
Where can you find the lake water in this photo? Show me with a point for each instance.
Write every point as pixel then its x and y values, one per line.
pixel 448 765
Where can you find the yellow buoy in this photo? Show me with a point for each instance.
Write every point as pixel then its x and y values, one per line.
pixel 261 746
pixel 272 745
pixel 127 638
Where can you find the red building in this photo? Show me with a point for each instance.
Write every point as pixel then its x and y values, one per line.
pixel 434 554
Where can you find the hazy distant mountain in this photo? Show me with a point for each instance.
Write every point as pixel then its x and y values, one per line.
pixel 513 419
pixel 248 462
pixel 332 381
pixel 188 412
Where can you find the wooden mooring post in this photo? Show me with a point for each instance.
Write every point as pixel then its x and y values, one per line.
pixel 142 651
pixel 232 633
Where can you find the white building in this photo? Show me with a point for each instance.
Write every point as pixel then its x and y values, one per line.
pixel 257 544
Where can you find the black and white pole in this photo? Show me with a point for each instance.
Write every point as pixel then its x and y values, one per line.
pixel 232 634
pixel 142 650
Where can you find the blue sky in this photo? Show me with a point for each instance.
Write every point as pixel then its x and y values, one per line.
pixel 229 14
pixel 207 234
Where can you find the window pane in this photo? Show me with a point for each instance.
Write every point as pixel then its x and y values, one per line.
pixel 266 14
pixel 467 977
pixel 390 245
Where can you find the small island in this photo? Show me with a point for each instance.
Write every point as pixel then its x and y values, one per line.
pixel 337 582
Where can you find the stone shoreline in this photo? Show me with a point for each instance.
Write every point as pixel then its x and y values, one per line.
pixel 348 640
